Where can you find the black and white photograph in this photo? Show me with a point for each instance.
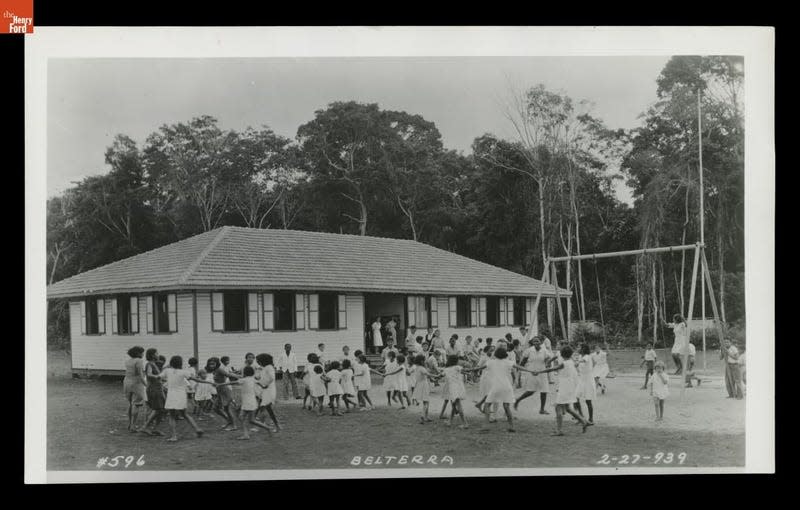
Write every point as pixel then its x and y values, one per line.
pixel 355 252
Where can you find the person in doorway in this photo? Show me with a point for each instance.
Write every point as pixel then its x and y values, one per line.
pixel 377 337
pixel 391 329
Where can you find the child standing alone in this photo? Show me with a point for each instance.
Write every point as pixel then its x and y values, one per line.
pixel 659 389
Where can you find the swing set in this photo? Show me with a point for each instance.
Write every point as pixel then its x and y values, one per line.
pixel 550 273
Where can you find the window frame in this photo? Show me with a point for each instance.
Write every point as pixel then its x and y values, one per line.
pixel 126 299
pixel 467 309
pixel 245 311
pixel 495 314
pixel 334 296
pixel 292 312
pixel 91 311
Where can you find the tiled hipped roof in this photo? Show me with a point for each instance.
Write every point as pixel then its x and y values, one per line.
pixel 246 258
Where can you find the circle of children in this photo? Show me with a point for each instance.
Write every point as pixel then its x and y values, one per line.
pixel 410 375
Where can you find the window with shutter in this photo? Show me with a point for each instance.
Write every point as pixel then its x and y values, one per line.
pixel 268 305
pixel 473 317
pixel 453 311
pixel 172 312
pixel 482 318
pixel 83 318
pixel 510 311
pixel 313 311
pixel 327 311
pixel 283 306
pixel 502 312
pixel 412 310
pixel 342 309
pixel 300 311
pixel 434 301
pixel 101 316
pixel 528 304
pixel 114 315
pixel 149 317
pixel 133 303
pixel 217 311
pixel 252 311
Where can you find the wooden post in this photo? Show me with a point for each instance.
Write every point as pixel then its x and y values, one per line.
pixel 717 321
pixel 564 331
pixel 569 299
pixel 685 354
pixel 535 309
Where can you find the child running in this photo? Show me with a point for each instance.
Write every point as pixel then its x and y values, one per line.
pixel 247 383
pixel 649 359
pixel 176 378
pixel 568 381
pixel 266 385
pixel 659 389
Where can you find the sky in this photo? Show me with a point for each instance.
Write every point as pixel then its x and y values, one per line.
pixel 90 101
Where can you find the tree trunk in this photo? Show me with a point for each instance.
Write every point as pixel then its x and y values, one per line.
pixel 363 222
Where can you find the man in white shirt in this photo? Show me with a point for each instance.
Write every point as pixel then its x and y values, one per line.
pixel 287 366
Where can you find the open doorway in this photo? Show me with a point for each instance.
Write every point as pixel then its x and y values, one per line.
pixel 385 307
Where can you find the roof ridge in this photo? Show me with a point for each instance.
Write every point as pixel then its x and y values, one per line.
pixel 317 232
pixel 203 254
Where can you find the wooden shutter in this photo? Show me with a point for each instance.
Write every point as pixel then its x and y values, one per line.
pixel 217 311
pixel 528 314
pixel 134 318
pixel 482 311
pixel 252 311
pixel 114 316
pixel 453 311
pixel 268 302
pixel 149 317
pixel 299 311
pixel 342 308
pixel 313 311
pixel 473 306
pixel 412 310
pixel 101 316
pixel 501 301
pixel 172 312
pixel 510 311
pixel 434 312
pixel 83 317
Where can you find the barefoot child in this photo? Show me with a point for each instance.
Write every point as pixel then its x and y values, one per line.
pixel 535 359
pixel 176 378
pixel 422 386
pixel 267 383
pixel 659 389
pixel 247 383
pixel 499 371
pixel 222 405
pixel 568 381
pixel 362 378
pixel 649 360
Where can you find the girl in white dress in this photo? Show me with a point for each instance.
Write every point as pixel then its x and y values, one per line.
pixel 247 385
pixel 307 372
pixel 410 379
pixel 391 371
pixel 402 381
pixel 568 381
pixel 659 389
pixel 455 391
pixel 483 384
pixel 588 388
pixel 334 388
pixel 422 385
pixel 177 378
pixel 601 369
pixel 266 386
pixel 317 381
pixel 348 389
pixel 362 378
pixel 499 371
pixel 202 396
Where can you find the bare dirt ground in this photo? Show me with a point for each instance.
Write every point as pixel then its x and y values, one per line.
pixel 87 420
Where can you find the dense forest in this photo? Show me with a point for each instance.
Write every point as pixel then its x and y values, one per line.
pixel 359 169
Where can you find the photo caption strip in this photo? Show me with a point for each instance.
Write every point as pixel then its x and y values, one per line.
pixel 17 17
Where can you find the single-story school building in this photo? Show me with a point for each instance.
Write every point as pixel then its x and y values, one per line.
pixel 235 290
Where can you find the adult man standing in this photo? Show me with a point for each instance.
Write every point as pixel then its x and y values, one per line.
pixel 733 374
pixel 287 366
